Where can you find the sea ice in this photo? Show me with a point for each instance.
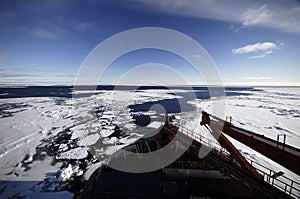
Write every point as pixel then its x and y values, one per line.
pixel 68 172
pixel 77 133
pixel 76 153
pixel 155 125
pixel 106 132
pixel 112 140
pixel 89 140
pixel 29 121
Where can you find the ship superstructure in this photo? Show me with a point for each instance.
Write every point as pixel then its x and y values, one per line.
pixel 207 169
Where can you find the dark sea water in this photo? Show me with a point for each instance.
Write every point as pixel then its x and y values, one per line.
pixel 279 104
pixel 175 105
pixel 179 105
pixel 201 92
pixel 170 105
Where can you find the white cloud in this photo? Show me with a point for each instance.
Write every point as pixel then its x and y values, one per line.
pixel 83 26
pixel 268 52
pixel 231 27
pixel 265 47
pixel 277 16
pixel 40 76
pixel 262 48
pixel 280 15
pixel 253 17
pixel 48 30
pixel 43 33
pixel 258 78
pixel 197 56
pixel 257 56
pixel 44 6
pixel 260 83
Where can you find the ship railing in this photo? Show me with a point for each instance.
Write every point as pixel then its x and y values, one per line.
pixel 285 184
pixel 204 140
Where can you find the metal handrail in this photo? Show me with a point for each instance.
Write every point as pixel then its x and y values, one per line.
pixel 288 186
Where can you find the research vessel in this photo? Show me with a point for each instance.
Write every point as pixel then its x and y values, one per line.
pixel 206 169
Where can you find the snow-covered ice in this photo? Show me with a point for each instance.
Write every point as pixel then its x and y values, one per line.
pixel 40 135
pixel 47 131
pixel 68 172
pixel 155 124
pixel 77 153
pixel 112 140
pixel 270 112
pixel 88 140
pixel 77 133
pixel 106 132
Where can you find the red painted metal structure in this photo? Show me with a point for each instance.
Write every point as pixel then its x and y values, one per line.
pixel 224 142
pixel 286 155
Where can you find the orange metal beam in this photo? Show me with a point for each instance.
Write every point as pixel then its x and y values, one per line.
pixel 224 142
pixel 284 154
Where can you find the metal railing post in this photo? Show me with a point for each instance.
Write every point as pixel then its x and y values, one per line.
pixel 269 175
pixel 284 138
pixel 291 187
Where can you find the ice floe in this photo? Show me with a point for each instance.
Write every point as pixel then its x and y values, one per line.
pixel 75 125
pixel 88 140
pixel 155 125
pixel 76 153
pixel 68 172
pixel 77 133
pixel 106 132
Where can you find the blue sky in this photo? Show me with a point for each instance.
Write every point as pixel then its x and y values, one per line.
pixel 251 42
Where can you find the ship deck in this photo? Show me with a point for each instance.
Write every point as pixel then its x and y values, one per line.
pixel 212 176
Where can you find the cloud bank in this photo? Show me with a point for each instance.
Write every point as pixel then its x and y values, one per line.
pixel 279 15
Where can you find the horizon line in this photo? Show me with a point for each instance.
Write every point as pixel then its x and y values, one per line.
pixel 131 85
